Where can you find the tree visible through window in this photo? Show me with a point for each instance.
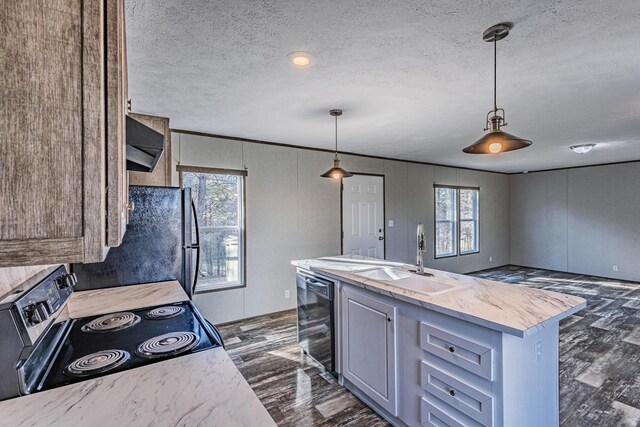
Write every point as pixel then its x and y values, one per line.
pixel 446 221
pixel 219 206
pixel 468 220
pixel 456 221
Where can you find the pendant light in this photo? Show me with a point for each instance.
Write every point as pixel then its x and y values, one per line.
pixel 496 141
pixel 336 172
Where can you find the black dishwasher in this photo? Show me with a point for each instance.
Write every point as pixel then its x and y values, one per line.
pixel 315 318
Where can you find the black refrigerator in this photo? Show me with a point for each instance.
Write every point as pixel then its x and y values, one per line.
pixel 161 243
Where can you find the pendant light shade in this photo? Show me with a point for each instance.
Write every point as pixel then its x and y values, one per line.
pixel 336 172
pixel 495 140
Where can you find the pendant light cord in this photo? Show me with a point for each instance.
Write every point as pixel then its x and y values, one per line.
pixel 336 135
pixel 495 72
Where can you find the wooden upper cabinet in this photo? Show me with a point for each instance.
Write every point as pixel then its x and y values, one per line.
pixel 116 111
pixel 161 175
pixel 60 150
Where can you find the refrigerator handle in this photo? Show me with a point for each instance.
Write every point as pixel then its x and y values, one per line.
pixel 195 245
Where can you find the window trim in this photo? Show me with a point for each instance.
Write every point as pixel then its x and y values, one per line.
pixel 458 251
pixel 436 221
pixel 476 222
pixel 242 283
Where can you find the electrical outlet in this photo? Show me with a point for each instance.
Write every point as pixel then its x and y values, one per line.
pixel 538 349
pixel 490 259
pixel 390 223
pixel 287 294
pixel 615 267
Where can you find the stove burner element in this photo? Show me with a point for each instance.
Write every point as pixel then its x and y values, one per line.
pixel 112 322
pixel 95 363
pixel 168 344
pixel 164 312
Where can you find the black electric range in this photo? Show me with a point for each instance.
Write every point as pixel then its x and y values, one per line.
pixel 40 351
pixel 101 345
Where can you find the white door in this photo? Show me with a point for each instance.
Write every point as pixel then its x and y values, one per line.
pixel 363 216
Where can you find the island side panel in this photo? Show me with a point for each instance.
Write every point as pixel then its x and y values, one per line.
pixel 531 378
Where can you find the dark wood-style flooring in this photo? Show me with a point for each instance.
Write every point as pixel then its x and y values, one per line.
pixel 599 359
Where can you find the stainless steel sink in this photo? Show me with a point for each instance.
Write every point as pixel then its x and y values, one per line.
pixel 410 281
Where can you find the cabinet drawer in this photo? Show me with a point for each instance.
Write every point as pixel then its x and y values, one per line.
pixel 469 355
pixel 434 414
pixel 457 394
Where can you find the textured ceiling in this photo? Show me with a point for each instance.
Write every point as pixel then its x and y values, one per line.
pixel 413 77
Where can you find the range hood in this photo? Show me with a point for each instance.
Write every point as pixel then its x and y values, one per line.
pixel 144 146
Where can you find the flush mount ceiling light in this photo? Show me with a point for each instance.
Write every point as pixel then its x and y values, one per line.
pixel 300 59
pixel 496 141
pixel 336 172
pixel 582 148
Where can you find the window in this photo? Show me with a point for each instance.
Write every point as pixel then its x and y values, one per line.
pixel 219 199
pixel 456 221
pixel 446 221
pixel 468 220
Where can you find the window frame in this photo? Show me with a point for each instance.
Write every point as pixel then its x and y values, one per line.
pixel 475 220
pixel 458 252
pixel 436 221
pixel 242 225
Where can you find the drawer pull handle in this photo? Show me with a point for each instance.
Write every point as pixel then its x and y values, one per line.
pixel 452 349
pixel 452 393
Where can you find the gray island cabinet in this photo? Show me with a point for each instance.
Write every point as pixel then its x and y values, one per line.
pixel 437 359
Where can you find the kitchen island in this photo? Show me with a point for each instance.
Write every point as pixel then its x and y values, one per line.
pixel 203 388
pixel 445 349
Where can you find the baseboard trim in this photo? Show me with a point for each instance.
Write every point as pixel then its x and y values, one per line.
pixel 558 271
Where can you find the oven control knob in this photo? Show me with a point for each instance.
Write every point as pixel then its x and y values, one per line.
pixel 37 312
pixel 32 315
pixel 67 281
pixel 43 309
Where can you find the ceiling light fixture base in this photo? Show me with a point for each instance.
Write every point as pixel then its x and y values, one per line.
pixel 582 148
pixel 497 32
pixel 335 112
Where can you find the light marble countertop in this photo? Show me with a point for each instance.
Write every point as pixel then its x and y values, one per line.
pixel 516 310
pixel 111 300
pixel 199 389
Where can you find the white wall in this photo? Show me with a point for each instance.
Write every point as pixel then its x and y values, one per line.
pixel 583 220
pixel 292 213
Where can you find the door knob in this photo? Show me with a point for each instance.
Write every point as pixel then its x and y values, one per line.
pixel 380 238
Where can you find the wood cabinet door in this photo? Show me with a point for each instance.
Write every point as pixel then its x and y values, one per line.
pixel 41 131
pixel 52 133
pixel 368 346
pixel 116 110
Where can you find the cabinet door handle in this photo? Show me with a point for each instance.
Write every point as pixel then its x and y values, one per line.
pixel 452 393
pixel 388 319
pixel 452 349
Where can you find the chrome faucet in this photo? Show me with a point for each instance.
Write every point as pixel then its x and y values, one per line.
pixel 420 249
